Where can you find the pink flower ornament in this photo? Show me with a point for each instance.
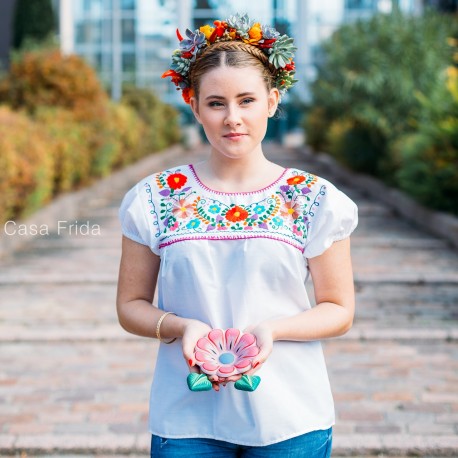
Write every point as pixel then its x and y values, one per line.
pixel 225 353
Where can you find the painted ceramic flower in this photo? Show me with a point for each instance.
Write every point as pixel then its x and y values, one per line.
pixel 226 353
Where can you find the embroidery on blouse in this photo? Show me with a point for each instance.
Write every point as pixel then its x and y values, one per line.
pixel 188 212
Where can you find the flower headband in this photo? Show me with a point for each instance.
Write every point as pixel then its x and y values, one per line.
pixel 279 50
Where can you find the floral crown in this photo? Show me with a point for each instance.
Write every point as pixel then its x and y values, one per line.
pixel 277 49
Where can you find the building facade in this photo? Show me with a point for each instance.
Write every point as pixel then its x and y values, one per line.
pixel 132 40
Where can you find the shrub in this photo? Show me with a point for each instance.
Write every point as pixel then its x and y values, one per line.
pixel 33 20
pixel 427 160
pixel 370 72
pixel 161 120
pixel 45 77
pixel 26 165
pixel 356 145
pixel 69 143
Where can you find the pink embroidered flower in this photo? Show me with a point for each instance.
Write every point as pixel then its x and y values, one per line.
pixel 297 231
pixel 175 226
pixel 182 209
pixel 225 353
pixel 290 209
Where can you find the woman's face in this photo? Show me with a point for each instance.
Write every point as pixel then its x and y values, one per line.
pixel 233 108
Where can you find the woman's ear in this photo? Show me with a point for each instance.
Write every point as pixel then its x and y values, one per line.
pixel 273 100
pixel 195 108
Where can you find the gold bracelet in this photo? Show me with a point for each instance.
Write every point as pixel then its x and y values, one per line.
pixel 158 328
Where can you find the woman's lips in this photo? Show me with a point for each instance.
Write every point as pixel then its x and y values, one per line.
pixel 234 136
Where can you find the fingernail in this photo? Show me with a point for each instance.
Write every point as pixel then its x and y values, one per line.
pixel 190 362
pixel 256 364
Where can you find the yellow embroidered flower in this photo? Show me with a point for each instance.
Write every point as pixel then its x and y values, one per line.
pixel 207 30
pixel 255 33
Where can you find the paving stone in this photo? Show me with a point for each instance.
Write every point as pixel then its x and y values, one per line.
pixel 73 383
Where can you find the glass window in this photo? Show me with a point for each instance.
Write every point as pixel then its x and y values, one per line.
pixel 128 30
pixel 88 32
pixel 360 4
pixel 128 4
pixel 128 62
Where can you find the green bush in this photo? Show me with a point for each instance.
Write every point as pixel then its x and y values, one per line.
pixel 69 144
pixel 358 146
pixel 427 160
pixel 161 119
pixel 33 20
pixel 369 74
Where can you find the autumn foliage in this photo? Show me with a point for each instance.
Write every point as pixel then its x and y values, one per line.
pixel 59 130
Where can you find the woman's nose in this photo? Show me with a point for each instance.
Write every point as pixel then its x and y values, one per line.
pixel 232 117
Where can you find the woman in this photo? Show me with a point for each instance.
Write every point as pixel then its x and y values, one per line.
pixel 231 242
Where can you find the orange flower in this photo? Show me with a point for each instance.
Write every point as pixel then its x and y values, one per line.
pixel 207 31
pixel 255 33
pixel 296 180
pixel 176 180
pixel 236 214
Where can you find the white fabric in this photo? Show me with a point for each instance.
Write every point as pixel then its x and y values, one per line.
pixel 231 276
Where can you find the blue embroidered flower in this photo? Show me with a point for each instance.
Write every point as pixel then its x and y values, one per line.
pixel 193 224
pixel 277 221
pixel 259 209
pixel 214 209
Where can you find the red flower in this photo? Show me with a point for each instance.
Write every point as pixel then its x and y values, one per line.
pixel 220 28
pixel 267 43
pixel 236 214
pixel 187 93
pixel 176 180
pixel 296 180
pixel 176 77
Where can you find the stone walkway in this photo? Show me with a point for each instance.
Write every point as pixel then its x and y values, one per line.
pixel 73 383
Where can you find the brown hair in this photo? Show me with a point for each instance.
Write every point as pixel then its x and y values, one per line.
pixel 233 54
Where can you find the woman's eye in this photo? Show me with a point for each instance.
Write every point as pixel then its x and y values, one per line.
pixel 246 101
pixel 215 104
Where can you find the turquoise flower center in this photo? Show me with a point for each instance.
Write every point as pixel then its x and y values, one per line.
pixel 226 358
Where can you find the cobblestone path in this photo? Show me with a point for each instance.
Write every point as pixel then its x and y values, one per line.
pixel 73 383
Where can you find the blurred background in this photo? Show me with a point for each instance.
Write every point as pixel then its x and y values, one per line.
pixel 377 86
pixel 85 114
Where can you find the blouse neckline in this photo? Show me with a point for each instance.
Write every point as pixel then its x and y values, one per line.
pixel 204 186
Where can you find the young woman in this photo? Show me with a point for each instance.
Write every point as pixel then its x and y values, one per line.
pixel 231 242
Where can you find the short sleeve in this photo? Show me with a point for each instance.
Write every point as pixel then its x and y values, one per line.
pixel 333 216
pixel 133 219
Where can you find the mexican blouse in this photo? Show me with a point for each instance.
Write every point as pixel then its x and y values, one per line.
pixel 233 260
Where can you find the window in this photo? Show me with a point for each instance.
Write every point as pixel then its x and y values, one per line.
pixel 361 4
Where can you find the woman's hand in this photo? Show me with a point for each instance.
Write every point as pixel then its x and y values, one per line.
pixel 265 342
pixel 193 331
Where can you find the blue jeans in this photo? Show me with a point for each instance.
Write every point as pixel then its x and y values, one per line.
pixel 316 444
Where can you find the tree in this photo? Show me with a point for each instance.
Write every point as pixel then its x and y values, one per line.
pixel 34 20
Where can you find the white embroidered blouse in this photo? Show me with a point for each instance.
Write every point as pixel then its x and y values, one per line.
pixel 233 260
